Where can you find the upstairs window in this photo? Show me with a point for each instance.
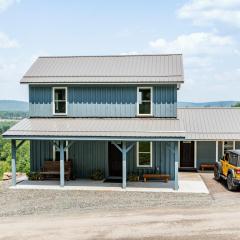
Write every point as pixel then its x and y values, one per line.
pixel 60 101
pixel 144 154
pixel 144 101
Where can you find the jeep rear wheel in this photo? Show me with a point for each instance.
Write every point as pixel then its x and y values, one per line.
pixel 217 174
pixel 230 183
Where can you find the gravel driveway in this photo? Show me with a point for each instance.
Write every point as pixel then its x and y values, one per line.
pixel 25 202
pixel 54 215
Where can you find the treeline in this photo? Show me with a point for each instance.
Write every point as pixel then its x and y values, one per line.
pixel 23 153
pixel 13 114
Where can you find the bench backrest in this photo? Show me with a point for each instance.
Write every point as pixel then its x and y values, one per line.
pixel 55 166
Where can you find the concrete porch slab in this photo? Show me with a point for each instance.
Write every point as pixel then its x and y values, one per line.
pixel 188 183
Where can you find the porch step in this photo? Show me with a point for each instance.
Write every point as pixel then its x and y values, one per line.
pixel 113 180
pixel 187 169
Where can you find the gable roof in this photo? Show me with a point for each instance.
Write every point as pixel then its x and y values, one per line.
pixel 210 123
pixel 127 69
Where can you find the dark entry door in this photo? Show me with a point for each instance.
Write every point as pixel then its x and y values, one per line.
pixel 114 161
pixel 187 154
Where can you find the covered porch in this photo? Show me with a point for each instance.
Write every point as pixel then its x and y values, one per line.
pixel 87 142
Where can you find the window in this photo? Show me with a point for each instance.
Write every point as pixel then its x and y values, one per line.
pixel 144 101
pixel 60 101
pixel 233 159
pixel 56 152
pixel 144 154
pixel 228 146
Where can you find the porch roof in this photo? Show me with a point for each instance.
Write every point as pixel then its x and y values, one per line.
pixel 96 129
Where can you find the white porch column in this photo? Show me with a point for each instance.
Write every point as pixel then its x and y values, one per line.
pixel 216 151
pixel 234 145
pixel 124 165
pixel 177 157
pixel 14 148
pixel 195 154
pixel 61 164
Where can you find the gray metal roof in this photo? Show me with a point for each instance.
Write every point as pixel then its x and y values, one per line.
pixel 129 69
pixel 210 123
pixel 237 151
pixel 95 128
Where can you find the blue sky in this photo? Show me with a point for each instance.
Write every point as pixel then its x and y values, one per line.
pixel 205 31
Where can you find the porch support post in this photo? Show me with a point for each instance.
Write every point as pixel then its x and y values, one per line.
pixel 195 154
pixel 177 157
pixel 124 165
pixel 14 148
pixel 216 151
pixel 61 164
pixel 234 145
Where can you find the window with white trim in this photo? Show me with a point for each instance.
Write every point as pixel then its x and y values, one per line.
pixel 56 152
pixel 60 100
pixel 228 146
pixel 144 100
pixel 144 154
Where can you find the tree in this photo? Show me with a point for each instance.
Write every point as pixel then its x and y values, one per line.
pixel 236 105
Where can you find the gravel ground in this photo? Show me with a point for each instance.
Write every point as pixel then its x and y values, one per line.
pixel 35 202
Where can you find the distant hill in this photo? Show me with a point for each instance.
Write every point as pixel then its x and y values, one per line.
pixel 13 105
pixel 208 104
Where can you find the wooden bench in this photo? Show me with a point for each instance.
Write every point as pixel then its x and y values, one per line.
pixel 52 169
pixel 204 166
pixel 163 177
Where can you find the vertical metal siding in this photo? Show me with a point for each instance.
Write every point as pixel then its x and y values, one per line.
pixel 206 152
pixel 92 155
pixel 163 157
pixel 40 101
pixel 165 101
pixel 104 101
pixel 88 157
pixel 40 151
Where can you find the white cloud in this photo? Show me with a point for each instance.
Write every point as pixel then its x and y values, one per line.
pixel 210 11
pixel 6 42
pixel 5 4
pixel 195 43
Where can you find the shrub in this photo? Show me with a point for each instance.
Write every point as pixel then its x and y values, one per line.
pixel 133 177
pixel 97 175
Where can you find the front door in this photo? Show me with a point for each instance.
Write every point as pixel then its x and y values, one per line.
pixel 114 161
pixel 187 154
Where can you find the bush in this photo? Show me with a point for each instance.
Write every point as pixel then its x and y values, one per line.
pixel 4 167
pixel 133 177
pixel 33 176
pixel 97 175
pixel 23 156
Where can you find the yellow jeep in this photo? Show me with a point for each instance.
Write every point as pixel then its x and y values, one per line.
pixel 228 168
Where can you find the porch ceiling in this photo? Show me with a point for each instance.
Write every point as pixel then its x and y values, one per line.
pixel 96 129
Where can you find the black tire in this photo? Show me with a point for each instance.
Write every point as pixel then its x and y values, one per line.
pixel 217 174
pixel 230 183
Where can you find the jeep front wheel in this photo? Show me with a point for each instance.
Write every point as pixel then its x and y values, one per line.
pixel 230 183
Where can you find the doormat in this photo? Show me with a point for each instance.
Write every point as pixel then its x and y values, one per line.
pixel 113 180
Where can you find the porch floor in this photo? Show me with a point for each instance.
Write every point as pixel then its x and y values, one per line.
pixel 188 183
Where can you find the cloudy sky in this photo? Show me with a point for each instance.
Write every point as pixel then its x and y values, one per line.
pixel 207 32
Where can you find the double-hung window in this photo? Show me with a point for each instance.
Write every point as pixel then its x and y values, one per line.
pixel 144 154
pixel 144 101
pixel 60 100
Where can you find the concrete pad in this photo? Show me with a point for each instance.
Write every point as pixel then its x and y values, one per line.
pixel 188 183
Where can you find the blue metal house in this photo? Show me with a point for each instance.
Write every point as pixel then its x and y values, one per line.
pixel 117 114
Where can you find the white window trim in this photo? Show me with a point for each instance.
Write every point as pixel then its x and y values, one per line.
pixel 53 101
pixel 151 100
pixel 144 166
pixel 54 152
